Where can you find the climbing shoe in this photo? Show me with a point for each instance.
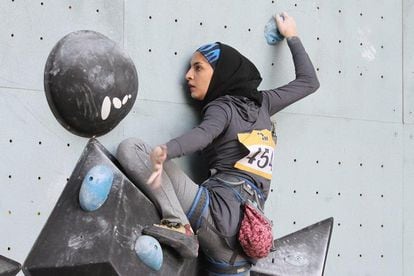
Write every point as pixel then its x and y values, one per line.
pixel 176 235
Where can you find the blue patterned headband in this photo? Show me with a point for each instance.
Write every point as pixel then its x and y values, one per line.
pixel 211 52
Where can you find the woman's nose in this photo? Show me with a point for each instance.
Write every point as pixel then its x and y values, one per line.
pixel 189 75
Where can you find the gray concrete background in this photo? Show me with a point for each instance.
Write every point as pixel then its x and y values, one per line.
pixel 346 151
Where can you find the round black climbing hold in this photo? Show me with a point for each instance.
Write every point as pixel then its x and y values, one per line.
pixel 91 84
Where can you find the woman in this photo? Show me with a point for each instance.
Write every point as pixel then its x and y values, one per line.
pixel 235 136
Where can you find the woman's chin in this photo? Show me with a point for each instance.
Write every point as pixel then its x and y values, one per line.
pixel 194 96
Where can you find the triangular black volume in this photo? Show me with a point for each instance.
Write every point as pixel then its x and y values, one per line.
pixel 8 267
pixel 300 253
pixel 75 242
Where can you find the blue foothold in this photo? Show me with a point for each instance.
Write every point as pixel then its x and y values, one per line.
pixel 95 187
pixel 149 251
pixel 271 33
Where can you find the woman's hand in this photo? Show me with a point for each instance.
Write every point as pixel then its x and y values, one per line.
pixel 158 157
pixel 286 25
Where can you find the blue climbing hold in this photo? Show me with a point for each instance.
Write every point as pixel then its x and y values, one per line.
pixel 149 251
pixel 95 187
pixel 271 33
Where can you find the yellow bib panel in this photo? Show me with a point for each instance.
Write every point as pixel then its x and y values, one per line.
pixel 261 148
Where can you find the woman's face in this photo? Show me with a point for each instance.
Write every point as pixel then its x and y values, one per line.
pixel 199 76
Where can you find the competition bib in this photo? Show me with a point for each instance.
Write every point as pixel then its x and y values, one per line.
pixel 261 147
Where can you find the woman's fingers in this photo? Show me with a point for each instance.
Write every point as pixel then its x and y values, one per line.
pixel 155 179
pixel 159 154
pixel 278 19
pixel 286 24
pixel 285 15
pixel 158 157
pixel 153 175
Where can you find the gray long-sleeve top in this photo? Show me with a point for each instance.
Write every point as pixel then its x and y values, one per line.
pixel 227 116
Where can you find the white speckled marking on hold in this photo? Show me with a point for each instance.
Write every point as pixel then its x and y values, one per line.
pixel 127 238
pixel 106 108
pixel 77 242
pixel 117 103
pixel 103 224
pixel 87 239
pixel 100 78
pixel 55 70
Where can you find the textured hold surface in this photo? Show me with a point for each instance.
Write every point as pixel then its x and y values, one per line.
pixel 74 242
pixel 301 253
pixel 149 251
pixel 85 74
pixel 95 188
pixel 271 33
pixel 8 267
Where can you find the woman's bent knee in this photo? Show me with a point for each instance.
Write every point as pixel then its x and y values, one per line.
pixel 129 146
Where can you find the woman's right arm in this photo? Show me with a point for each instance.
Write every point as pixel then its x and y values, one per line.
pixel 215 120
pixel 306 81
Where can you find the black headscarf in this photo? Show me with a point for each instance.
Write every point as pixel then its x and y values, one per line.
pixel 234 75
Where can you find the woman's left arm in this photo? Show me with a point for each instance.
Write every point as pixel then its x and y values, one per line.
pixel 306 81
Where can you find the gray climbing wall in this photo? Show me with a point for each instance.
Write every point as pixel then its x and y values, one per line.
pixel 408 140
pixel 346 151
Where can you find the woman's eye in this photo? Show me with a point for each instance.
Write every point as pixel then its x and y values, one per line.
pixel 197 68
